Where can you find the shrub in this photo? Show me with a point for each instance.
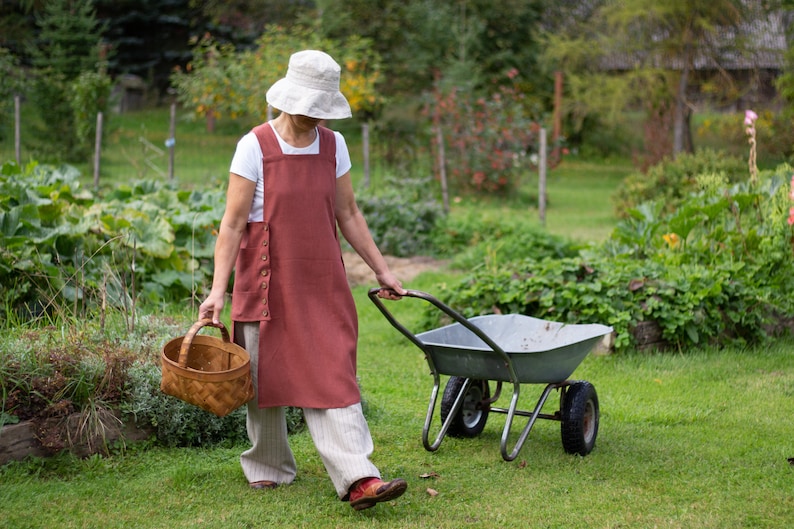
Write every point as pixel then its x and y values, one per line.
pixel 88 96
pixel 670 181
pixel 487 136
pixel 175 422
pixel 775 134
pixel 473 240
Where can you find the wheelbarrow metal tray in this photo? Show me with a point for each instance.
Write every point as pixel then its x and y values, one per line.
pixel 541 351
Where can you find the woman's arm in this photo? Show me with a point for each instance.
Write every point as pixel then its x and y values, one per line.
pixel 239 196
pixel 354 228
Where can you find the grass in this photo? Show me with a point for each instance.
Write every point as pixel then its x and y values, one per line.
pixel 578 199
pixel 695 440
pixel 686 440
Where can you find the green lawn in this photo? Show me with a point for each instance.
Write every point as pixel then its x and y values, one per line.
pixel 696 440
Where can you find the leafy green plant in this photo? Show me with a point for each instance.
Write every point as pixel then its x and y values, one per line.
pixel 716 270
pixel 671 181
pixel 63 249
pixel 402 218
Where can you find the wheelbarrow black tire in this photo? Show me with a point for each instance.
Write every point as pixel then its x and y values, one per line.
pixel 470 419
pixel 580 416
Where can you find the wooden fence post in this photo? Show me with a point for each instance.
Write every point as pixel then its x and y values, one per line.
pixel 542 177
pixel 97 149
pixel 171 142
pixel 557 128
pixel 17 128
pixel 365 147
pixel 442 168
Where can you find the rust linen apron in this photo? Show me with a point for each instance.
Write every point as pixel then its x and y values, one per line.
pixel 290 277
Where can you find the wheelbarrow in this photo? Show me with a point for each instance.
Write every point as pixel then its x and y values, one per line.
pixel 513 349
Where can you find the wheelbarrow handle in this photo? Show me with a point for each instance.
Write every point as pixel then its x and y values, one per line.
pixel 449 311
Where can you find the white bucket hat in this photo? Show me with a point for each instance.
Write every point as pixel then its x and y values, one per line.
pixel 310 88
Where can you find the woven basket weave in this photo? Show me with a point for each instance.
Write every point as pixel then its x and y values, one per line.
pixel 213 374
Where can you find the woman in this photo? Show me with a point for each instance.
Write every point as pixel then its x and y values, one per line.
pixel 292 309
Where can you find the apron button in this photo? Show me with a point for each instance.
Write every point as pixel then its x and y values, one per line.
pixel 264 313
pixel 264 285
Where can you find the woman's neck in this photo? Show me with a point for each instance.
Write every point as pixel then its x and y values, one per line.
pixel 298 131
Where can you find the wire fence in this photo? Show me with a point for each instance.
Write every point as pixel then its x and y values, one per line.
pixel 127 145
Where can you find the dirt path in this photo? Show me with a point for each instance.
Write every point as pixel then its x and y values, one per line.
pixel 405 268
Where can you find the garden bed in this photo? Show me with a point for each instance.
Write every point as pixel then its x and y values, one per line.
pixel 34 437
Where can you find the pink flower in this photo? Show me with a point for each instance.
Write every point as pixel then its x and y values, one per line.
pixel 750 117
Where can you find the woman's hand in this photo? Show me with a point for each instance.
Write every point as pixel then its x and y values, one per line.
pixel 391 287
pixel 212 308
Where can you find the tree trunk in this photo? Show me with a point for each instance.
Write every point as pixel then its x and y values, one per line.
pixel 680 121
pixel 679 117
pixel 689 144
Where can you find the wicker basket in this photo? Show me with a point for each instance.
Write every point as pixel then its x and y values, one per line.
pixel 213 374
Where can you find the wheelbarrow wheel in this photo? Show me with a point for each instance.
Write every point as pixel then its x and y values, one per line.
pixel 579 418
pixel 470 419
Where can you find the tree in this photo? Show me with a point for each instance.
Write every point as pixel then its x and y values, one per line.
pixel 224 82
pixel 250 16
pixel 68 45
pixel 150 37
pixel 653 46
pixel 10 85
pixel 418 38
pixel 677 33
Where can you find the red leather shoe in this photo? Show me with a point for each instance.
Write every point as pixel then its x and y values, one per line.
pixel 370 491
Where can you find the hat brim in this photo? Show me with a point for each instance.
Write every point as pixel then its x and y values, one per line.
pixel 288 97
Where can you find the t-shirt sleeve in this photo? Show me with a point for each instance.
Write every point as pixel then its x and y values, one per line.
pixel 343 163
pixel 247 159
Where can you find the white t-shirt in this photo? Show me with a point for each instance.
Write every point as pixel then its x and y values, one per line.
pixel 247 162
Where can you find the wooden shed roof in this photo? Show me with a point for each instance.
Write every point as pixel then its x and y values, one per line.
pixel 765 47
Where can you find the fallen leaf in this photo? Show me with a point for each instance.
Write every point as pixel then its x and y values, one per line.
pixel 432 492
pixel 523 464
pixel 429 475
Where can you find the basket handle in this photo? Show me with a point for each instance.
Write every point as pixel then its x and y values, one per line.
pixel 187 341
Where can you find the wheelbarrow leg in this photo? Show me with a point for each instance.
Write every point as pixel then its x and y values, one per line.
pixel 450 417
pixel 525 433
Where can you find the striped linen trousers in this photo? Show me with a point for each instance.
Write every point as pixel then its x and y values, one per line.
pixel 341 435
